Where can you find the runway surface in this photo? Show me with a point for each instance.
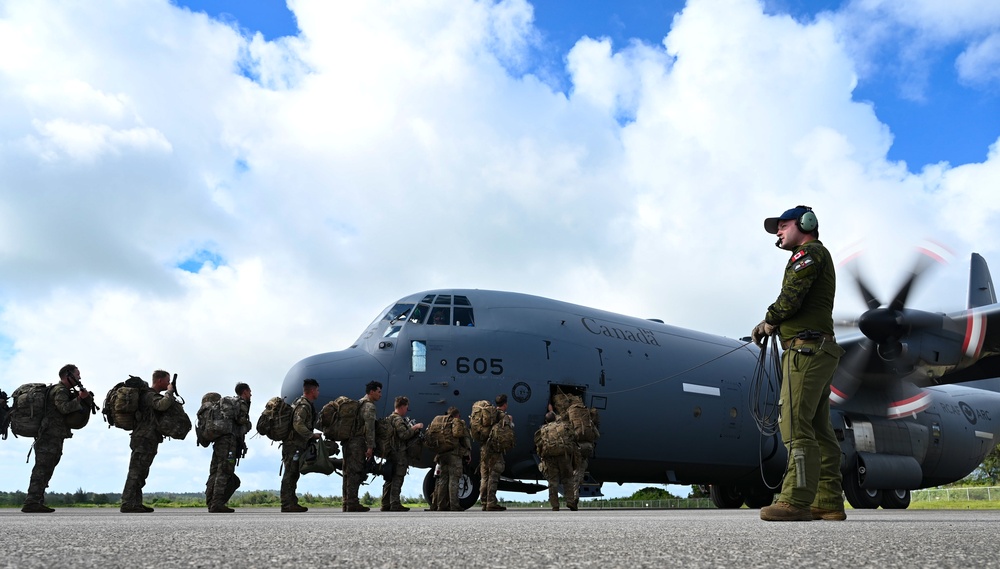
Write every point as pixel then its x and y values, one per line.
pixel 104 538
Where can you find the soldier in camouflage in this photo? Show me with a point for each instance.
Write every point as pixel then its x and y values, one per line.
pixel 303 420
pixel 491 463
pixel 145 440
pixel 63 400
pixel 226 451
pixel 360 448
pixel 398 462
pixel 451 465
pixel 802 317
pixel 557 470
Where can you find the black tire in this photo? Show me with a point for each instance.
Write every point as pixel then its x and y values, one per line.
pixel 860 498
pixel 468 489
pixel 725 497
pixel 759 499
pixel 895 499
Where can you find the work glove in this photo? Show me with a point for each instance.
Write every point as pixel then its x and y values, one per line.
pixel 761 331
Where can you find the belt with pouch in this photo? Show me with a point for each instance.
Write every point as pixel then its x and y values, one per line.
pixel 811 339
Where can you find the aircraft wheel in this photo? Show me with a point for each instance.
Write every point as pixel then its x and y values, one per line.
pixel 860 498
pixel 895 499
pixel 468 489
pixel 429 480
pixel 725 497
pixel 759 499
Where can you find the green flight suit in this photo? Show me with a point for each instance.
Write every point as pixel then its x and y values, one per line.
pixel 805 304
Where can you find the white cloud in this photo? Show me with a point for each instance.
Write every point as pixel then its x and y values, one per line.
pixel 920 31
pixel 394 147
pixel 980 63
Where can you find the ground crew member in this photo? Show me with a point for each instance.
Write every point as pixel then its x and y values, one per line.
pixel 451 464
pixel 226 450
pixel 557 469
pixel 802 318
pixel 303 419
pixel 491 462
pixel 360 448
pixel 145 440
pixel 62 400
pixel 401 432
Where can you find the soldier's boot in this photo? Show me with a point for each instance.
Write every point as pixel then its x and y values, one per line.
pixel 828 515
pixel 785 512
pixel 220 509
pixel 294 508
pixel 357 508
pixel 37 508
pixel 135 509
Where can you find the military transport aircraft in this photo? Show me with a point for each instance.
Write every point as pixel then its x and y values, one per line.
pixel 679 406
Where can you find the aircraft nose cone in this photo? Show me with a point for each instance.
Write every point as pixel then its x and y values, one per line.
pixel 338 373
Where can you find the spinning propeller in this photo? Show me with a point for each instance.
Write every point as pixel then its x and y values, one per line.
pixel 883 360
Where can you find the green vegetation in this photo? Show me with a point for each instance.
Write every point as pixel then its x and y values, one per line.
pixel 255 498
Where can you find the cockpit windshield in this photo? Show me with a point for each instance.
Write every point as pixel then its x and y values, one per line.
pixel 443 310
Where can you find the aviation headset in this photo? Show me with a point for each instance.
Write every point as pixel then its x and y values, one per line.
pixel 807 222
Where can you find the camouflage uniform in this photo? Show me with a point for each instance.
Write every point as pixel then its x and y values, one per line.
pixel 144 442
pixel 303 419
pixel 397 461
pixel 805 304
pixel 452 463
pixel 491 464
pixel 48 445
pixel 558 470
pixel 226 450
pixel 355 449
pixel 585 450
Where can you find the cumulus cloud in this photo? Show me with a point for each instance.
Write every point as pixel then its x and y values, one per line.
pixel 915 34
pixel 222 206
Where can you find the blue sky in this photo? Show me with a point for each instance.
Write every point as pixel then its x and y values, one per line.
pixel 178 192
pixel 948 122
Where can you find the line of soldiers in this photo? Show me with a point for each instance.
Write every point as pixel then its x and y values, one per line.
pixel 68 397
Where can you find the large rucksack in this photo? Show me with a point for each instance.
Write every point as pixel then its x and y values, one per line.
pixel 484 415
pixel 501 437
pixel 582 421
pixel 440 435
pixel 121 405
pixel 216 418
pixel 275 422
pixel 339 418
pixel 554 440
pixel 28 409
pixel 4 415
pixel 174 422
pixel 384 437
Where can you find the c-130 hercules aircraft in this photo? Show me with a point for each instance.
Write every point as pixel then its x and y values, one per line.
pixel 676 405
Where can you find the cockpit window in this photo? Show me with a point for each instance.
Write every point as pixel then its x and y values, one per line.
pixel 438 310
pixel 463 316
pixel 398 312
pixel 419 313
pixel 440 315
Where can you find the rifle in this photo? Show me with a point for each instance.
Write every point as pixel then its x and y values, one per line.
pixel 93 401
pixel 173 383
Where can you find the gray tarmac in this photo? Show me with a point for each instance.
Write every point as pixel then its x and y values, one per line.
pixel 105 538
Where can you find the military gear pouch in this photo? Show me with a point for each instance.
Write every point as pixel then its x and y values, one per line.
pixel 315 458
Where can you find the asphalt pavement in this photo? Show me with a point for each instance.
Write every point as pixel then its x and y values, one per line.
pixel 103 538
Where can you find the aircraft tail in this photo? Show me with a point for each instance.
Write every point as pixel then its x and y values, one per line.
pixel 981 291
